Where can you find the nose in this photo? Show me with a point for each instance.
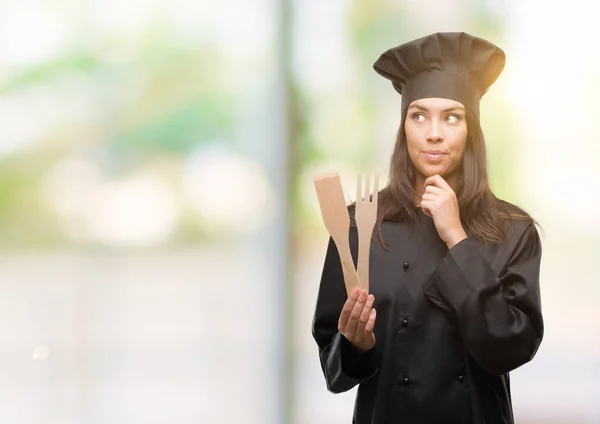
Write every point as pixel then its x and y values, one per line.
pixel 434 134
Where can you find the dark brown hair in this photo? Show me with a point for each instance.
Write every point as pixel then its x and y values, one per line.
pixel 481 212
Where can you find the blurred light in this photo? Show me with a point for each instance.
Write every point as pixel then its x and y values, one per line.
pixel 251 22
pixel 139 210
pixel 554 98
pixel 230 192
pixel 192 19
pixel 127 23
pixel 26 118
pixel 70 185
pixel 241 61
pixel 40 353
pixel 29 34
pixel 324 59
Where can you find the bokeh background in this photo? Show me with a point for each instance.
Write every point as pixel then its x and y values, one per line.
pixel 160 239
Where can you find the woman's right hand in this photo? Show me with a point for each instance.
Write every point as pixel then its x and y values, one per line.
pixel 357 320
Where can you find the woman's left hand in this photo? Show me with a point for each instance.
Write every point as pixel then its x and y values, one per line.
pixel 439 202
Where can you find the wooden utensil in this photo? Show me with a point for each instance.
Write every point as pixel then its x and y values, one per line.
pixel 365 215
pixel 337 221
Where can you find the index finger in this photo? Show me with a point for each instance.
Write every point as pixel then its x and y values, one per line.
pixel 348 306
pixel 437 181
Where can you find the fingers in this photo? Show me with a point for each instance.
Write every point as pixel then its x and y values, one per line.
pixel 426 206
pixel 364 316
pixel 347 309
pixel 355 315
pixel 437 181
pixel 431 189
pixel 357 319
pixel 370 323
pixel 434 197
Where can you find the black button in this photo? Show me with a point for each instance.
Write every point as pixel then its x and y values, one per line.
pixel 404 322
pixel 461 379
pixel 405 381
pixel 406 265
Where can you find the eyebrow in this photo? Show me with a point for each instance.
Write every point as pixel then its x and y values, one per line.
pixel 448 109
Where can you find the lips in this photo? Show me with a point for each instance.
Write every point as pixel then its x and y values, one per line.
pixel 434 155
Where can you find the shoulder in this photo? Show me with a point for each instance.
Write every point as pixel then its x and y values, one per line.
pixel 522 236
pixel 510 211
pixel 515 219
pixel 519 228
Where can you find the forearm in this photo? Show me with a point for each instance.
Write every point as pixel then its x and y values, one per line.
pixel 499 318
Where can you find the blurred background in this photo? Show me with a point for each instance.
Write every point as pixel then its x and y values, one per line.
pixel 160 239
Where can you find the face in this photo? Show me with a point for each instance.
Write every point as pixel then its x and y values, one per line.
pixel 436 135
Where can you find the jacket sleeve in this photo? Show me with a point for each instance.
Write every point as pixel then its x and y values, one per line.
pixel 343 366
pixel 499 316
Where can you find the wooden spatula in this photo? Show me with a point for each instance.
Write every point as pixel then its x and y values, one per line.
pixel 337 222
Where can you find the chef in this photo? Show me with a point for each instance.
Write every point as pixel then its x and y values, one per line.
pixel 454 303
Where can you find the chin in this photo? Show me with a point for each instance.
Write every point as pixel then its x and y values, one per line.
pixel 429 171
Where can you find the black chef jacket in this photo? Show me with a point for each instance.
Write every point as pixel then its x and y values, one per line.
pixel 451 324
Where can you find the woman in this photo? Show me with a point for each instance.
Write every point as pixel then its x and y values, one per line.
pixel 455 299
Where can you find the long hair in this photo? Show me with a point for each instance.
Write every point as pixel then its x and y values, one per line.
pixel 481 212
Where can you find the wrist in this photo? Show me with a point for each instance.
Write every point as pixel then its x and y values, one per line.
pixel 361 350
pixel 456 238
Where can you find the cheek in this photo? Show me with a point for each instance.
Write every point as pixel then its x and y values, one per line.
pixel 458 145
pixel 459 150
pixel 412 139
pixel 413 150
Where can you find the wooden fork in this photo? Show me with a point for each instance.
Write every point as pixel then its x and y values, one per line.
pixel 365 215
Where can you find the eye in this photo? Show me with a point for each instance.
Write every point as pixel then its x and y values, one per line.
pixel 452 119
pixel 418 116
